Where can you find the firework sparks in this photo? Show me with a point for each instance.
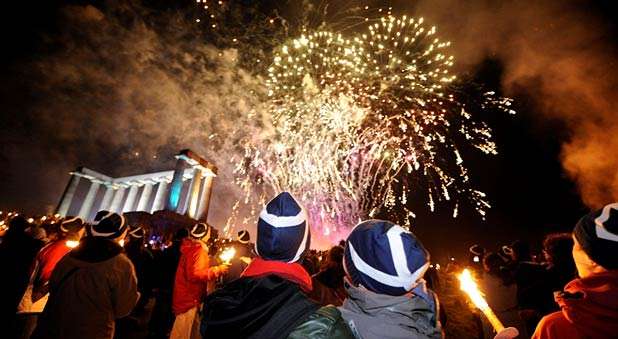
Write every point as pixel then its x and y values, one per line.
pixel 362 122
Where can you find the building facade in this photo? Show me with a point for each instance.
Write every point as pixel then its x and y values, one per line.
pixel 185 190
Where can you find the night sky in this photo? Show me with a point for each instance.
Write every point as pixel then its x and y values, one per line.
pixel 557 155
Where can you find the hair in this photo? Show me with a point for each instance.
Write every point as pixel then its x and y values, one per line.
pixel 521 250
pixel 559 247
pixel 493 264
pixel 181 234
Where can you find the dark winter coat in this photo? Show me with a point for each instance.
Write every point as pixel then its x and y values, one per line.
pixel 269 301
pixel 90 288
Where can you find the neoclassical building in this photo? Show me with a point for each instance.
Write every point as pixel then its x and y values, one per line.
pixel 185 190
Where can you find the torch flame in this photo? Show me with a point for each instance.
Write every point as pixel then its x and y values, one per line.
pixel 469 286
pixel 227 255
pixel 72 243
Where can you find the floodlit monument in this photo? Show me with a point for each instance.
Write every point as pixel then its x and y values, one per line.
pixel 186 190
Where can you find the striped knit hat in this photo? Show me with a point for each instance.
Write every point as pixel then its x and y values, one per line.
pixel 137 232
pixel 384 257
pixel 282 230
pixel 597 234
pixel 201 230
pixel 72 225
pixel 243 237
pixel 108 225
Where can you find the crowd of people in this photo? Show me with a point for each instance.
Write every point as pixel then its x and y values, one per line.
pixel 67 278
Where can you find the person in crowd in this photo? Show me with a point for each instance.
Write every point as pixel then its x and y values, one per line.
pixel 328 283
pixel 589 304
pixel 269 299
pixel 244 255
pixel 387 296
pixel 91 286
pixel 193 273
pixel 143 262
pixel 310 262
pixel 501 294
pixel 162 318
pixel 36 295
pixel 477 253
pixel 529 277
pixel 560 268
pixel 17 254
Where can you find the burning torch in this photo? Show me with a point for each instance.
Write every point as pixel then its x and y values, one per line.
pixel 227 255
pixel 469 286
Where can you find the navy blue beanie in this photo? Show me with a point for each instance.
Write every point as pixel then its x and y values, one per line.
pixel 282 230
pixel 108 225
pixel 384 258
pixel 597 234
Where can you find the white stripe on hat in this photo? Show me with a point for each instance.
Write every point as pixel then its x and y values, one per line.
pixel 277 221
pixel 98 234
pixel 64 229
pixel 105 216
pixel 399 255
pixel 382 277
pixel 602 232
pixel 302 246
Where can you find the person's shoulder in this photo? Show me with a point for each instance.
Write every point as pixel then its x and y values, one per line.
pixel 326 322
pixel 553 325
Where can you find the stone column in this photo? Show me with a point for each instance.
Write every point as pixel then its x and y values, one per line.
pixel 159 200
pixel 67 196
pixel 128 205
pixel 173 195
pixel 117 199
pixel 84 211
pixel 107 198
pixel 144 199
pixel 194 193
pixel 202 211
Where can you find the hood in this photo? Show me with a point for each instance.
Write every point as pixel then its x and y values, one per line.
pixel 406 316
pixel 189 246
pixel 591 304
pixel 255 307
pixel 95 250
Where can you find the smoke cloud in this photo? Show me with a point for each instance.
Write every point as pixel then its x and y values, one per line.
pixel 561 55
pixel 114 94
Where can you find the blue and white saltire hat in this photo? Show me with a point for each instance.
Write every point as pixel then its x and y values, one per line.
pixel 108 225
pixel 384 257
pixel 282 230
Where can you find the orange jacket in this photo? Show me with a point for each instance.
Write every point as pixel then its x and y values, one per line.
pixel 589 309
pixel 192 275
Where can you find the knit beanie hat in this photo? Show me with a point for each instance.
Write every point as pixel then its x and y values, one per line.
pixel 597 233
pixel 137 232
pixel 108 225
pixel 282 230
pixel 201 230
pixel 72 225
pixel 384 258
pixel 243 237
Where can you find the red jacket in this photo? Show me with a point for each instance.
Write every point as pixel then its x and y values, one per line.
pixel 192 275
pixel 49 257
pixel 589 310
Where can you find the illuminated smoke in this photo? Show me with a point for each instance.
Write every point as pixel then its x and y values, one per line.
pixel 562 55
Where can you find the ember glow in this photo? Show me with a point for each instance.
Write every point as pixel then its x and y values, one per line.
pixel 363 122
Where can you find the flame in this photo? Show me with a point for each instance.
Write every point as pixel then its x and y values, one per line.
pixel 469 286
pixel 72 243
pixel 227 255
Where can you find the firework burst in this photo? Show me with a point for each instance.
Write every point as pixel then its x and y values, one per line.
pixel 362 123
